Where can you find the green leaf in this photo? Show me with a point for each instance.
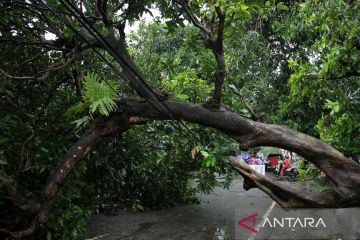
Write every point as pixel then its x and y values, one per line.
pixel 3 161
pixel 281 6
pixel 82 122
pixel 182 97
pixel 205 154
pixel 100 95
pixel 48 236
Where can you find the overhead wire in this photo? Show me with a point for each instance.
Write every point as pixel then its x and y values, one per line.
pixel 82 19
pixel 86 41
pixel 93 31
pixel 123 62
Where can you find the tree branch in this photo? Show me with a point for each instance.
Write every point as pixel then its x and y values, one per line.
pixel 46 72
pixel 344 172
pixel 115 123
pixel 221 26
pixel 215 45
pixel 49 44
pixel 285 196
pixel 101 6
pixel 25 206
pixel 186 8
pixel 118 7
pixel 254 115
pixel 16 106
pixel 30 59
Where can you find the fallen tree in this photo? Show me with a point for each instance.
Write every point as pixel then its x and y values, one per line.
pixel 345 173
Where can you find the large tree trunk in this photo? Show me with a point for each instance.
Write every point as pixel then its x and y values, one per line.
pixel 344 172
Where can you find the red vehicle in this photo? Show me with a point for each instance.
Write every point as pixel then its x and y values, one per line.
pixel 272 162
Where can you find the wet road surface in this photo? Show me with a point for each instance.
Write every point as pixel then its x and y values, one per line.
pixel 214 218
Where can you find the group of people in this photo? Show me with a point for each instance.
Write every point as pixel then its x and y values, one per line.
pixel 251 160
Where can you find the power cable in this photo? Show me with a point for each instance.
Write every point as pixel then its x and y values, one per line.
pixel 118 57
pixel 122 62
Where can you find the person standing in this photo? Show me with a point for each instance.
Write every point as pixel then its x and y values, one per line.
pixel 286 164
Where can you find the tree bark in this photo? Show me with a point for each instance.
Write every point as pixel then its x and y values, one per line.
pixel 115 123
pixel 344 172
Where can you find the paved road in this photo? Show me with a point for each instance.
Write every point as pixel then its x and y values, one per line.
pixel 214 218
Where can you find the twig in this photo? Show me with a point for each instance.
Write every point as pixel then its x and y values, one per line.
pixel 254 116
pixel 193 18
